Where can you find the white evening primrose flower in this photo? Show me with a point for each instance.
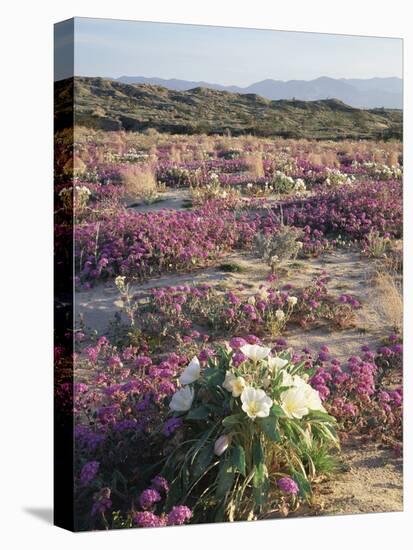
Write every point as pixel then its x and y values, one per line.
pixel 279 315
pixel 229 378
pixel 294 402
pixel 221 444
pixel 295 380
pixel 255 352
pixel 292 300
pixel 276 363
pixel 255 403
pixel 287 379
pixel 300 399
pixel 182 399
pixel 313 398
pixel 191 373
pixel 234 384
pixel 238 386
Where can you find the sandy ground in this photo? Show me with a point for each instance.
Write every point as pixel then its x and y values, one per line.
pixel 349 274
pixel 172 199
pixel 372 482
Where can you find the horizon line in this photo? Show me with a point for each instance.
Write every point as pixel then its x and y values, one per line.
pixel 236 85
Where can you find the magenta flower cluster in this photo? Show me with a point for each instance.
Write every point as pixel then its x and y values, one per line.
pixel 89 471
pixel 288 486
pixel 148 244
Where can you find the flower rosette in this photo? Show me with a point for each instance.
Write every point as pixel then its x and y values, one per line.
pixel 246 423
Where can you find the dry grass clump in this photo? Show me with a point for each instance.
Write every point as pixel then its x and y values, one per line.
pixel 386 301
pixel 78 165
pixel 324 158
pixel 250 142
pixel 223 143
pixel 255 165
pixel 393 261
pixel 393 158
pixel 383 152
pixel 175 154
pixel 139 182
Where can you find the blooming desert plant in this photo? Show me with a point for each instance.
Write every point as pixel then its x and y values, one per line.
pixel 249 419
pixel 282 183
pixel 335 178
pixel 76 197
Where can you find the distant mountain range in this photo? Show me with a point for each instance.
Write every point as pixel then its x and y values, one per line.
pixel 361 93
pixel 112 105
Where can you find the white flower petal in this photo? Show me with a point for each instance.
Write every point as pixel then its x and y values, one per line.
pixel 255 352
pixel 191 373
pixel 255 403
pixel 182 399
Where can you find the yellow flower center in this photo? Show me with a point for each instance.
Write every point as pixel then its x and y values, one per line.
pixel 238 385
pixel 253 407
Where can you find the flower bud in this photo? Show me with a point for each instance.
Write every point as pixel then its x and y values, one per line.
pixel 221 444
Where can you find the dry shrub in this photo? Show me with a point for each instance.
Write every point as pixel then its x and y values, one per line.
pixel 314 158
pixel 251 143
pixel 280 247
pixel 153 154
pixel 393 261
pixel 139 181
pixel 224 143
pixel 386 301
pixel 329 158
pixel 393 158
pixel 324 158
pixel 255 165
pixel 175 155
pixel 387 152
pixel 78 165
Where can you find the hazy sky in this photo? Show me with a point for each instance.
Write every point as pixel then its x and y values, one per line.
pixel 223 55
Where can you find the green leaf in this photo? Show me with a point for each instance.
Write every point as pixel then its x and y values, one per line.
pixel 260 484
pixel 257 452
pixel 225 478
pixel 232 420
pixel 269 427
pixel 185 477
pixel 220 512
pixel 238 459
pixel 203 460
pixel 276 410
pixel 260 474
pixel 214 376
pixel 303 484
pixel 320 415
pixel 200 413
pixel 202 441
